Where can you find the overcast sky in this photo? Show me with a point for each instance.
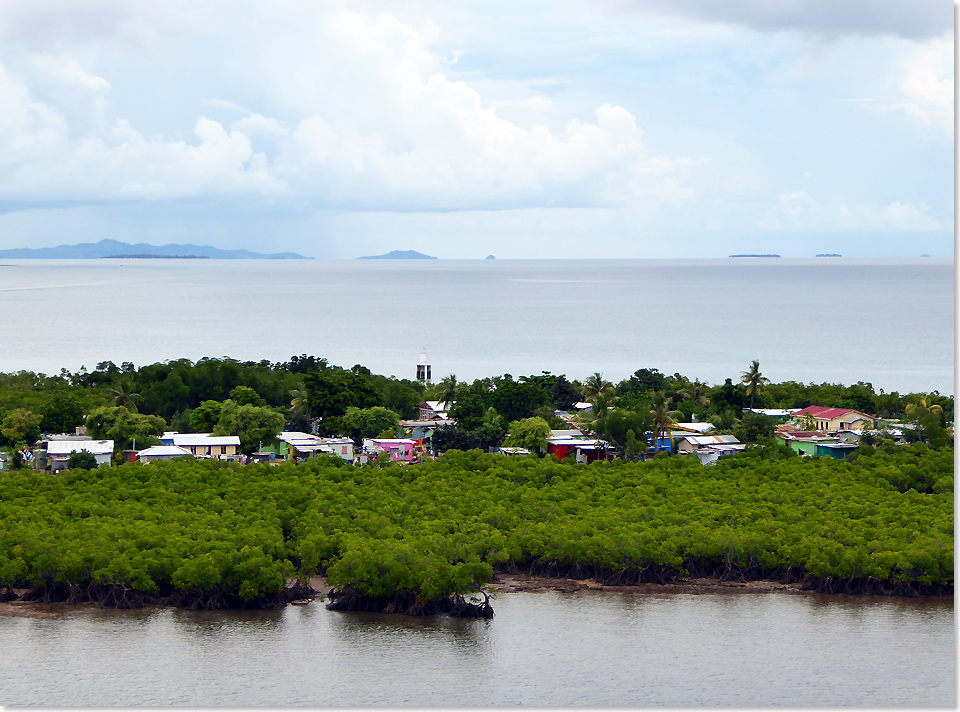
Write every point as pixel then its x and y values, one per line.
pixel 612 128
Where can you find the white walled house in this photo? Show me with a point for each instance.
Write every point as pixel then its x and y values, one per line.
pixel 59 451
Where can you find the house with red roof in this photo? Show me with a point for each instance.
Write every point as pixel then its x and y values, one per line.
pixel 833 420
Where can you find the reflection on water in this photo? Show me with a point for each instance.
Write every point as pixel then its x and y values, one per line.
pixel 586 648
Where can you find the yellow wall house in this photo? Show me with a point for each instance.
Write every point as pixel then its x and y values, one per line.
pixel 218 447
pixel 833 420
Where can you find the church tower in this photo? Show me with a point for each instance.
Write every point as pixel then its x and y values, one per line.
pixel 423 368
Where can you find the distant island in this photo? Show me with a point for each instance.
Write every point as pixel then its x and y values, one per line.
pixel 754 255
pixel 829 254
pixel 399 255
pixel 114 249
pixel 156 257
pixel 490 257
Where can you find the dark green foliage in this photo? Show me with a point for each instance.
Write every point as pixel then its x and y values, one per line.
pixel 124 426
pixel 82 460
pixel 618 422
pixel 209 532
pixel 334 390
pixel 470 407
pixel 515 400
pixel 563 394
pixel 360 423
pixel 453 437
pixel 754 427
pixel 62 413
pixel 255 426
pixel 244 395
pixel 643 380
pixel 204 418
pixel 728 396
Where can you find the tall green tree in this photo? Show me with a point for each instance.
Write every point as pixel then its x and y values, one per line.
pixel 204 418
pixel 663 416
pixel 122 394
pixel 449 387
pixel 254 425
pixel 245 395
pixel 362 423
pixel 696 392
pixel 596 385
pixel 754 380
pixel 124 426
pixel 21 425
pixel 529 433
pixel 62 413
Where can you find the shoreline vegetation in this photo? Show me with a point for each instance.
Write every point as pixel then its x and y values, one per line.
pixel 441 536
pixel 426 538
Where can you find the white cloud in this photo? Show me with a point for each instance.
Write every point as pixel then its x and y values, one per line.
pixel 797 211
pixel 927 85
pixel 373 124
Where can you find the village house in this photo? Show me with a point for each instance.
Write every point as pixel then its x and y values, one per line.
pixel 562 443
pixel 804 442
pixel 723 444
pixel 433 410
pixel 399 449
pixel 204 445
pixel 57 452
pixel 832 420
pixel 299 446
pixel 818 444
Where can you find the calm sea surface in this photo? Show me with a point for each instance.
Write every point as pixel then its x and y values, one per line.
pixel 588 648
pixel 889 322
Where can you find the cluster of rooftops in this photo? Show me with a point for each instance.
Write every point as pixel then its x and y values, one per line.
pixel 814 430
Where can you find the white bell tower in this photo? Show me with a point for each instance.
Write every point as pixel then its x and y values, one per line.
pixel 423 368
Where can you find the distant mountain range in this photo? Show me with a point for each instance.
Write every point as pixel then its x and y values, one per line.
pixel 400 255
pixel 114 248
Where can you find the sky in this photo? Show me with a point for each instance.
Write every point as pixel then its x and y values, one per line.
pixel 555 129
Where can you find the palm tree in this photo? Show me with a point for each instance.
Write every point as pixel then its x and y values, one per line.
pixel 754 380
pixel 663 417
pixel 696 392
pixel 600 405
pixel 300 402
pixel 920 410
pixel 448 387
pixel 122 395
pixel 595 385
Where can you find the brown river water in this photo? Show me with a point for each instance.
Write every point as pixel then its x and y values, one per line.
pixel 596 648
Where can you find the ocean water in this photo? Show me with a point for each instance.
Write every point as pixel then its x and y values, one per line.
pixel 888 322
pixel 541 649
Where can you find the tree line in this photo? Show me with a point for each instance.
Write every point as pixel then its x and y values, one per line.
pixel 256 400
pixel 427 537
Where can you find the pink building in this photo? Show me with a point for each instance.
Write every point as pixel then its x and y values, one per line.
pixel 399 450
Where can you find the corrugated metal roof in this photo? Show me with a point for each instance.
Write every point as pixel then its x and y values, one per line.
pixel 707 440
pixel 819 411
pixel 163 451
pixel 296 438
pixel 196 439
pixel 65 447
